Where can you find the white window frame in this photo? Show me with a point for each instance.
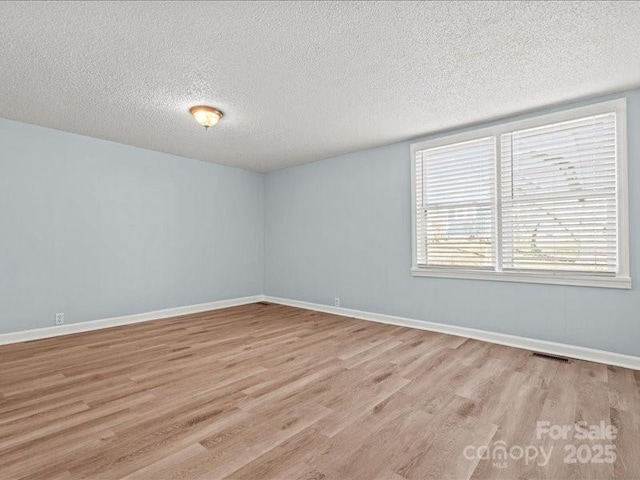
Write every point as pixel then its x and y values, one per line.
pixel 622 277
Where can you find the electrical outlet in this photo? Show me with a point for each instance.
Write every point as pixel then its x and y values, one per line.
pixel 336 301
pixel 59 318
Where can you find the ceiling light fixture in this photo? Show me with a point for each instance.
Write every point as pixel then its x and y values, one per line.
pixel 205 115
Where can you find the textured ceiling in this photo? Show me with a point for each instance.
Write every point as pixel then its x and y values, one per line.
pixel 301 81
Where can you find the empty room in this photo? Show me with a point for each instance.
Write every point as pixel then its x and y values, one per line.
pixel 306 240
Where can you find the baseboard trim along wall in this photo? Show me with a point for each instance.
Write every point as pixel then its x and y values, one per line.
pixel 55 331
pixel 554 348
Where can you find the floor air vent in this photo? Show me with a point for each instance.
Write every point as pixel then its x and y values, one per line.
pixel 551 357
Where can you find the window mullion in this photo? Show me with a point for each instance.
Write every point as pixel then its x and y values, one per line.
pixel 497 206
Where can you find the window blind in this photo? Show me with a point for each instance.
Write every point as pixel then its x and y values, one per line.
pixel 558 196
pixel 455 200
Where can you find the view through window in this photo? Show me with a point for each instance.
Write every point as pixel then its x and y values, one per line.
pixel 533 200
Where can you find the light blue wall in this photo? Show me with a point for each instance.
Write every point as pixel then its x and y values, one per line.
pixel 95 229
pixel 342 228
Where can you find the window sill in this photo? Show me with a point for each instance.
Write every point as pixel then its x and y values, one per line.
pixel 546 278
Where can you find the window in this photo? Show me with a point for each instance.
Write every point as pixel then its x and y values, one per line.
pixel 541 200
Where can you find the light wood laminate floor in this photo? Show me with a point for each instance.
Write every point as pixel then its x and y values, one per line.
pixel 274 392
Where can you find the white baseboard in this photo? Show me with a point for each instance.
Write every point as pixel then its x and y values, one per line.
pixel 56 331
pixel 554 348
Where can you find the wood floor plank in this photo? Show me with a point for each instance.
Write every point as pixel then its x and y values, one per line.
pixel 272 392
